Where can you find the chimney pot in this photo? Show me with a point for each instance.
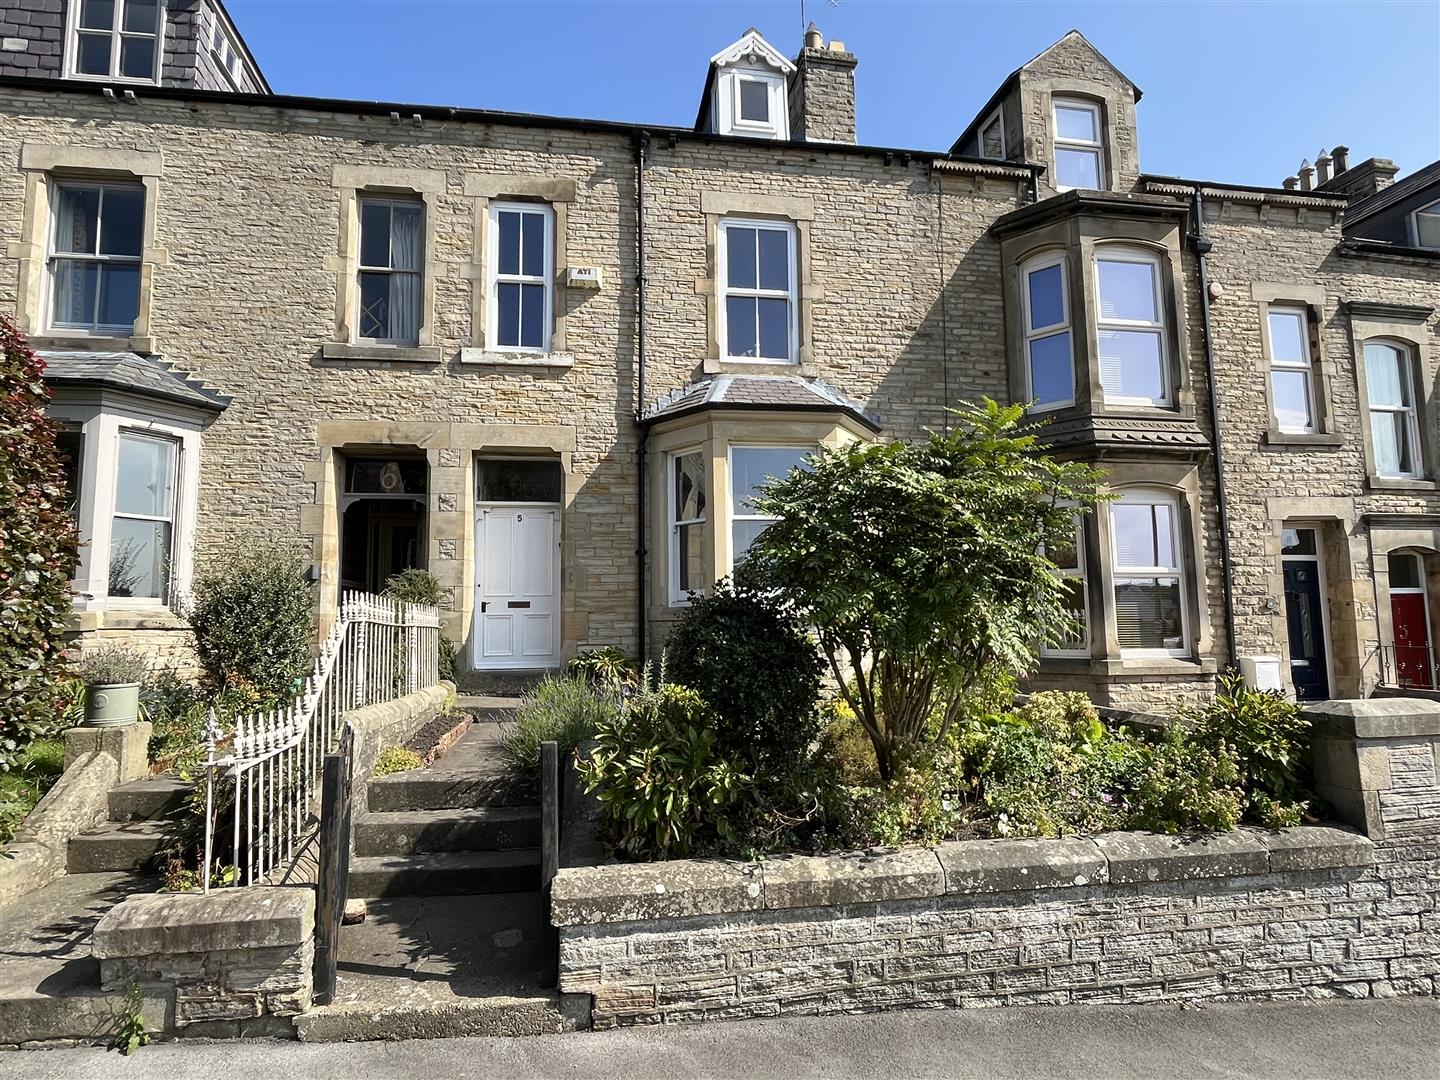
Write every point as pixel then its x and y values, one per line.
pixel 1307 176
pixel 837 46
pixel 813 38
pixel 1290 183
pixel 1322 167
pixel 1341 156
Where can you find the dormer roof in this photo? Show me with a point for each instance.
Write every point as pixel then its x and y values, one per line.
pixel 751 50
pixel 1072 38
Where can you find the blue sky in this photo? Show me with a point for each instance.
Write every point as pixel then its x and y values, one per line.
pixel 1236 92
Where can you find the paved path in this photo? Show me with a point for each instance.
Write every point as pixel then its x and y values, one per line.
pixel 1397 1039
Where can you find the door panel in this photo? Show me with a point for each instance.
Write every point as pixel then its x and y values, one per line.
pixel 1412 640
pixel 517 587
pixel 1305 620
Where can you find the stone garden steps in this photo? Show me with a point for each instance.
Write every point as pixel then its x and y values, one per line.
pixel 149 799
pixel 116 846
pixel 445 873
pixel 438 789
pixel 409 832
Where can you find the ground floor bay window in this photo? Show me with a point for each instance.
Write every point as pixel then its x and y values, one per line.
pixel 1149 580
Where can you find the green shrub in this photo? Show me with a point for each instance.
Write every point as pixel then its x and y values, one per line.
pixel 37 553
pixel 395 759
pixel 113 665
pixel 665 790
pixel 414 586
pixel 757 669
pixel 252 623
pixel 1270 738
pixel 606 666
pixel 34 771
pixel 564 709
pixel 1187 786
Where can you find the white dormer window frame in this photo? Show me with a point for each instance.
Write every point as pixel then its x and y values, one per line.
pixel 750 62
pixel 1092 148
pixel 773 87
pixel 122 33
pixel 1426 234
pixel 996 122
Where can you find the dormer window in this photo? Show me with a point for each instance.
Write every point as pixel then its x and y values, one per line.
pixel 114 39
pixel 747 91
pixel 1425 226
pixel 1079 154
pixel 992 136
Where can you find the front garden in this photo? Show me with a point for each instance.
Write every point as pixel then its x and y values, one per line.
pixel 856 686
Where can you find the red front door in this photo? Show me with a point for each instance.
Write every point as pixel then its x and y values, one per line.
pixel 1412 639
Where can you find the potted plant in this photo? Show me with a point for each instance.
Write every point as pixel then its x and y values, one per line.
pixel 112 680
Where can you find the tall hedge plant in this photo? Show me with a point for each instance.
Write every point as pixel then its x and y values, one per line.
pixel 37 552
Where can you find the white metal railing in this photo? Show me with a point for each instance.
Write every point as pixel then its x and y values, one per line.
pixel 379 649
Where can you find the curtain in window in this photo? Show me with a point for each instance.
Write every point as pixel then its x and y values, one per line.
pixel 405 257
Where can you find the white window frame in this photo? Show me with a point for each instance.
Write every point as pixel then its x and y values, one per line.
pixel 72 45
pixel 54 257
pixel 732 123
pixel 1411 411
pixel 731 516
pixel 1152 498
pixel 1060 143
pixel 1031 335
pixel 996 117
pixel 679 597
pixel 225 51
pixel 791 294
pixel 173 447
pixel 101 425
pixel 1429 210
pixel 1304 366
pixel 494 279
pixel 361 267
pixel 1081 647
pixel 1115 253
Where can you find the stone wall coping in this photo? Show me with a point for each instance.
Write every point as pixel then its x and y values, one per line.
pixel 1379 718
pixel 259 917
pixel 637 892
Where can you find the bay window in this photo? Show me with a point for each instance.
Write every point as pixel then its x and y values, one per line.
pixel 1070 565
pixel 391 246
pixel 142 526
pixel 95 256
pixel 1049 358
pixel 521 273
pixel 1292 377
pixel 750 468
pixel 1394 431
pixel 757 274
pixel 1149 579
pixel 1130 334
pixel 688 503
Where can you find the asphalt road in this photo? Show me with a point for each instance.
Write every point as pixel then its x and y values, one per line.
pixel 1393 1039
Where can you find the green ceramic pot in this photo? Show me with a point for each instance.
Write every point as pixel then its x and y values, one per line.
pixel 112 704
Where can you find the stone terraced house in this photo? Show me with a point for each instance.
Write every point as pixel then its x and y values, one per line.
pixel 549 359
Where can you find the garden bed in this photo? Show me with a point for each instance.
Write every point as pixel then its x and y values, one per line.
pixel 435 739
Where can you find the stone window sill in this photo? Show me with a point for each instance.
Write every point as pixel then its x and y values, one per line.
pixel 125 618
pixel 416 354
pixel 715 366
pixel 92 343
pixel 1139 666
pixel 1316 440
pixel 504 358
pixel 1396 483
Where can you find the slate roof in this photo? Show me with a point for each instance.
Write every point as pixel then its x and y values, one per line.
pixel 149 376
pixel 774 392
pixel 1397 192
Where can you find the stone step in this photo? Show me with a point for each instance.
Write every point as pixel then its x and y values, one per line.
pixel 435 789
pixel 499 828
pixel 487 707
pixel 448 873
pixel 453 1011
pixel 149 799
pixel 130 845
pixel 499 683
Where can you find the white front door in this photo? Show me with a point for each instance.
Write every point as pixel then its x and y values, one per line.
pixel 517 586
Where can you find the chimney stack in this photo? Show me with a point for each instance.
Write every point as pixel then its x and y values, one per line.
pixel 1341 154
pixel 1307 175
pixel 1322 167
pixel 822 91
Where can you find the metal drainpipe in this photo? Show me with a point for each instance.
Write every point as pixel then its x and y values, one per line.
pixel 1201 245
pixel 642 144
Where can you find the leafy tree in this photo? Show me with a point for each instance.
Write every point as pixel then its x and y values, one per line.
pixel 923 566
pixel 37 552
